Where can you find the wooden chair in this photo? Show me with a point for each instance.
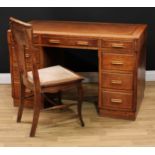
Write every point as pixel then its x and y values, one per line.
pixel 53 79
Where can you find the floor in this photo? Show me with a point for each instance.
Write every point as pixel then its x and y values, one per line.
pixel 61 128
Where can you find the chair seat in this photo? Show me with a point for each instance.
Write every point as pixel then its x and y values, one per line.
pixel 54 75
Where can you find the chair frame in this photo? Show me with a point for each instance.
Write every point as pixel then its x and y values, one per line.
pixel 25 31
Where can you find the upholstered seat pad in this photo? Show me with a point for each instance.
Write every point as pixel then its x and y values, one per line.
pixel 54 75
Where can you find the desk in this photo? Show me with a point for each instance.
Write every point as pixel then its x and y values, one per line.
pixel 121 59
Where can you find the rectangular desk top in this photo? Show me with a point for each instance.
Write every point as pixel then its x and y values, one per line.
pixel 88 29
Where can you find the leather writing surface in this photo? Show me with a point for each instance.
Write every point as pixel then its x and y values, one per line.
pixel 88 29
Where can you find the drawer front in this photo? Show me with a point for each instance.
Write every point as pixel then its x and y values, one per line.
pixel 56 41
pixel 118 44
pixel 117 101
pixel 117 81
pixel 120 62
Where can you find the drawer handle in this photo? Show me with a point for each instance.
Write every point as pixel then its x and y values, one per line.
pixel 117 63
pixel 54 41
pixel 116 45
pixel 116 100
pixel 27 55
pixel 28 91
pixel 116 81
pixel 83 43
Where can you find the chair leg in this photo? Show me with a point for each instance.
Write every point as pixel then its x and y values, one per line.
pixel 37 107
pixel 79 107
pixel 21 106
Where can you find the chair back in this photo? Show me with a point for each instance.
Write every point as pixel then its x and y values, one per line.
pixel 22 38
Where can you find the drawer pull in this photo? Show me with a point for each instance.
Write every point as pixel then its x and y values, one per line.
pixel 54 41
pixel 116 45
pixel 117 63
pixel 27 55
pixel 28 91
pixel 116 81
pixel 116 100
pixel 83 43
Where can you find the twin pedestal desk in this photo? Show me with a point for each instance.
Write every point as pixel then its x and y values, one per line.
pixel 121 50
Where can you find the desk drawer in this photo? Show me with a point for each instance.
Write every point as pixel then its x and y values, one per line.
pixel 115 100
pixel 120 62
pixel 113 44
pixel 56 41
pixel 117 81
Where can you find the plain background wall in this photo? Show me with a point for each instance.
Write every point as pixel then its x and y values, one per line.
pixel 81 61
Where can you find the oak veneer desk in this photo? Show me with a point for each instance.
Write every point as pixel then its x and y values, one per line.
pixel 121 59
